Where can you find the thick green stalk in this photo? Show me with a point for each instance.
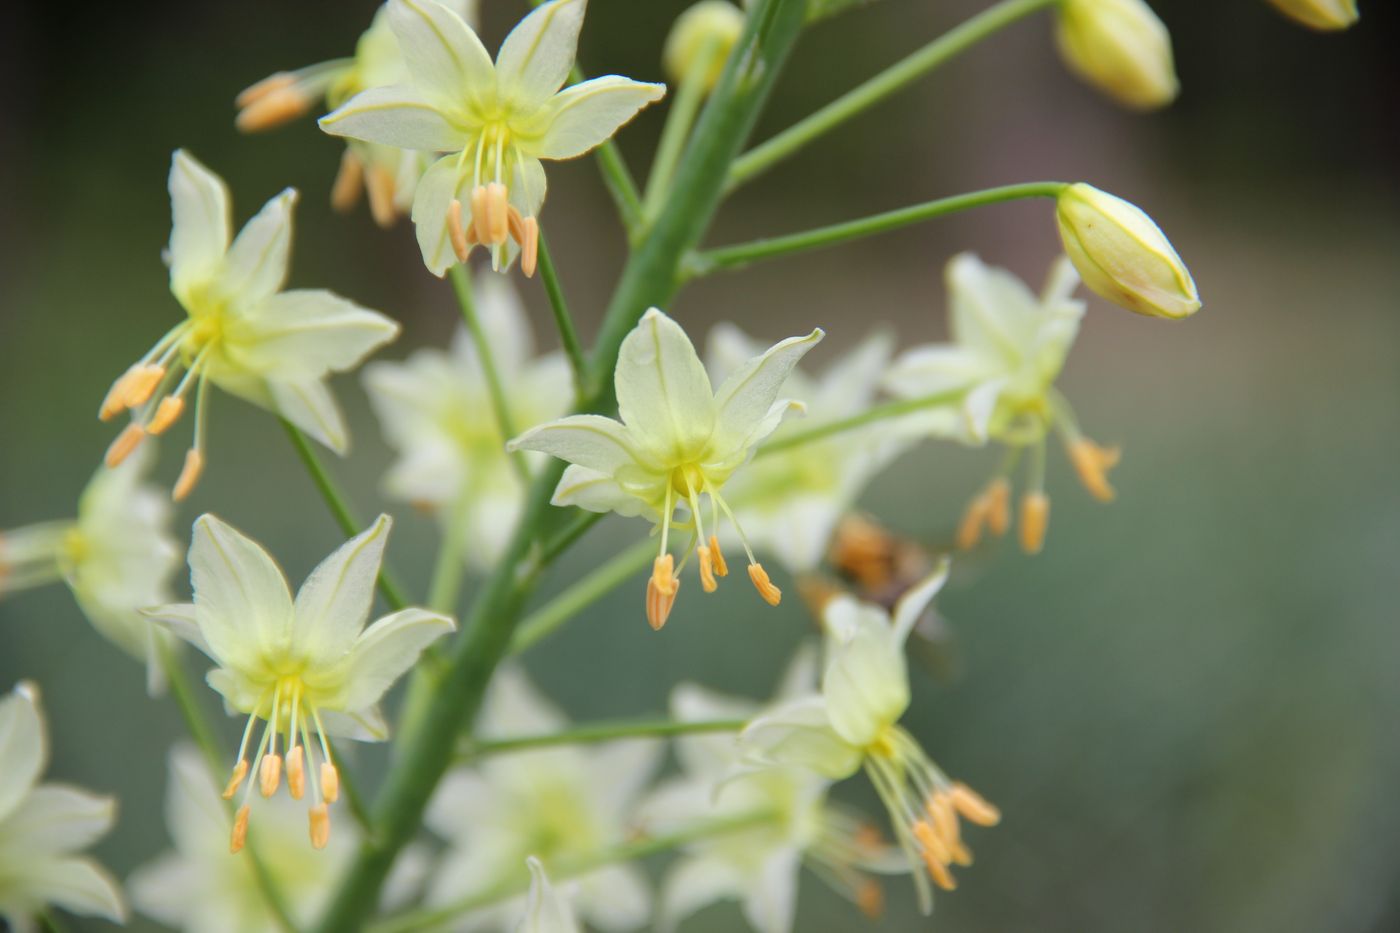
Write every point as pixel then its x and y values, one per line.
pixel 568 336
pixel 340 509
pixel 894 78
pixel 869 416
pixel 743 254
pixel 651 276
pixel 594 733
pixel 500 405
pixel 685 104
pixel 614 855
pixel 446 582
pixel 545 620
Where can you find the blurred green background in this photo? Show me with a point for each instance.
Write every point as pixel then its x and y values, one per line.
pixel 1187 707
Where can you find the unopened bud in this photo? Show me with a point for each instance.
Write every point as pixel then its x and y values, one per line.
pixel 1122 255
pixel 1323 15
pixel 1120 47
pixel 709 28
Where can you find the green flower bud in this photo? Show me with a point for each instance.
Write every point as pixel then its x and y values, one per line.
pixel 710 27
pixel 1120 47
pixel 1324 15
pixel 1122 255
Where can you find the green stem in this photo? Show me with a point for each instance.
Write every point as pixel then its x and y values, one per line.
pixel 207 740
pixel 568 336
pixel 340 509
pixel 427 742
pixel 565 537
pixel 447 577
pixel 462 287
pixel 742 254
pixel 869 416
pixel 572 868
pixel 545 620
pixel 892 79
pixel 601 732
pixel 684 106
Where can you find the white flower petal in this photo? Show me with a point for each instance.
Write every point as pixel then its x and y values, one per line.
pixel 848 385
pixel 505 324
pixel 56 820
pixel 588 114
pixel 799 734
pixel 305 333
pixel 309 404
pixel 745 400
pixel 618 771
pixel 256 266
pixel 167 889
pixel 449 65
pixel 199 234
pixel 663 392
pixel 615 898
pixel 913 603
pixel 397 116
pixel 771 901
pixel 591 441
pixel 546 910
pixel 438 187
pixel 514 706
pixel 933 369
pixel 386 650
pixel 538 54
pixel 978 408
pixel 23 745
pixel 182 619
pixel 866 684
pixel 363 725
pixel 241 598
pixel 78 885
pixel 695 882
pixel 597 492
pixel 992 310
pixel 333 604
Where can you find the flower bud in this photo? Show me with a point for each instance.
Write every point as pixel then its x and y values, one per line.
pixel 710 27
pixel 1122 255
pixel 1120 47
pixel 1324 15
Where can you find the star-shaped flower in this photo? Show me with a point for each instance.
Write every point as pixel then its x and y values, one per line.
pixel 244 333
pixel 679 440
pixel 495 120
pixel 1007 351
pixel 308 668
pixel 854 723
pixel 43 826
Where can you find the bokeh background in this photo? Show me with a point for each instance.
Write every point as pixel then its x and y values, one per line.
pixel 1187 706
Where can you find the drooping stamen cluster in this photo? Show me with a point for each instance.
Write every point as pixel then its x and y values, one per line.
pixel 155 389
pixel 925 806
pixel 687 485
pixel 282 97
pixel 286 709
pixel 844 854
pixel 493 219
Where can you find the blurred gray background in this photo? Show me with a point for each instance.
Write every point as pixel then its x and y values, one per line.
pixel 1186 706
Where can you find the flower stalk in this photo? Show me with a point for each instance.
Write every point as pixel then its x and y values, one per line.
pixel 600 732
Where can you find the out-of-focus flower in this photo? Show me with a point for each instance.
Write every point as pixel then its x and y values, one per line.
pixel 435 410
pixel 1120 47
pixel 1323 15
pixel 495 120
pixel 1008 349
pixel 117 557
pixel 308 668
pixel 556 804
pixel 546 910
pixel 244 333
pixel 709 28
pixel 679 439
pixel 854 723
pixel 758 866
pixel 792 499
pixel 388 175
pixel 1123 255
pixel 42 826
pixel 198 888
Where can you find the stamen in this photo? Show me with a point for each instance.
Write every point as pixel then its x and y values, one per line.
pixel 189 474
pixel 126 442
pixel 973 806
pixel 349 180
pixel 1092 463
pixel 497 213
pixel 256 92
pixel 167 413
pixel 142 384
pixel 770 593
pixel 240 831
pixel 320 826
pixel 660 603
pixel 114 402
pixel 272 109
pixel 970 528
pixel 663 573
pixel 707 569
pixel 721 568
pixel 240 771
pixel 945 819
pixel 330 782
pixel 479 221
pixel 526 231
pixel 934 859
pixel 870 898
pixel 296 772
pixel 455 233
pixel 270 774
pixel 1035 519
pixel 998 503
pixel 379 183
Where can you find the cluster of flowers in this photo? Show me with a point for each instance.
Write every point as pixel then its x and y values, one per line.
pixel 440 129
